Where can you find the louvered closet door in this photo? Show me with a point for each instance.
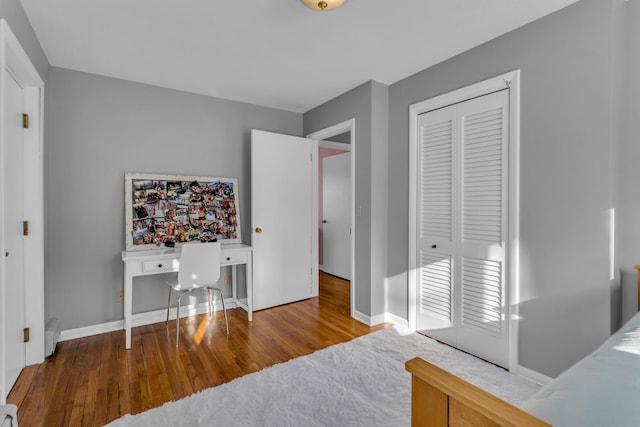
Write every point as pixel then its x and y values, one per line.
pixel 483 327
pixel 437 216
pixel 463 222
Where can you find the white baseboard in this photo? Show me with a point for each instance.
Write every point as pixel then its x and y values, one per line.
pixel 377 319
pixel 362 318
pixel 534 376
pixel 140 319
pixel 396 320
pixel 87 331
pixel 380 318
pixel 157 316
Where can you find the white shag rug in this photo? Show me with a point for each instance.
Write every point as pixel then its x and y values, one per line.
pixel 359 383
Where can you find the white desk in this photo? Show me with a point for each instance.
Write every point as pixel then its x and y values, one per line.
pixel 144 263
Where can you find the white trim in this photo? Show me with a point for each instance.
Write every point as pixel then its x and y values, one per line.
pixel 511 80
pixel 87 331
pixel 513 255
pixel 16 62
pixel 360 317
pixel 396 320
pixel 334 145
pixel 534 376
pixel 140 319
pixel 321 135
pixel 331 131
pixel 377 319
pixel 315 269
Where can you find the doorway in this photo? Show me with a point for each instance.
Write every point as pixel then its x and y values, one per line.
pixel 340 137
pixel 334 225
pixel 21 213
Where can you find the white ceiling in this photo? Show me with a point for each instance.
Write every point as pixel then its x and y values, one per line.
pixel 275 53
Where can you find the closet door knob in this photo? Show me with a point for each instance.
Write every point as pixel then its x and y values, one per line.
pixel 434 246
pixel 258 230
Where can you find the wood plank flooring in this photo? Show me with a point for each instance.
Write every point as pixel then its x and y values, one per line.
pixel 94 380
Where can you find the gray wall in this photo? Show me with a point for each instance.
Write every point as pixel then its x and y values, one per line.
pixel 629 159
pixel 12 11
pixel 368 104
pixel 565 167
pixel 99 129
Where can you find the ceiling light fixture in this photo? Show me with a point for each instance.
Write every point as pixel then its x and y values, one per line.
pixel 322 5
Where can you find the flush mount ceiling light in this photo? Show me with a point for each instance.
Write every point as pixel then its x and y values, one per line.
pixel 322 5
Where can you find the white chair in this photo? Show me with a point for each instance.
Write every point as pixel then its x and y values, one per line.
pixel 199 270
pixel 8 416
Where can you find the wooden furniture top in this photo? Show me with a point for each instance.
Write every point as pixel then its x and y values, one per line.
pixel 462 393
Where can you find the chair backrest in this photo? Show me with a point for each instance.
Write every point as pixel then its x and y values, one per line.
pixel 199 264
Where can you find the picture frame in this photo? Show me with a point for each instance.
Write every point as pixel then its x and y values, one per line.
pixel 170 210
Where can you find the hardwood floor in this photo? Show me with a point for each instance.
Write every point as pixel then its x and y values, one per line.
pixel 94 380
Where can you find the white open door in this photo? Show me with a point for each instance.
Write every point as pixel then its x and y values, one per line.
pixel 21 212
pixel 336 215
pixel 14 263
pixel 281 218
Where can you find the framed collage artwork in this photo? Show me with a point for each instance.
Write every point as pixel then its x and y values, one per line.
pixel 170 210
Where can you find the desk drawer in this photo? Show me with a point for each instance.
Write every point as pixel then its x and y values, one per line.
pixel 160 266
pixel 233 258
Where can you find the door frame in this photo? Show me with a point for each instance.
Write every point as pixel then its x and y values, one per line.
pixel 320 136
pixel 15 61
pixel 510 80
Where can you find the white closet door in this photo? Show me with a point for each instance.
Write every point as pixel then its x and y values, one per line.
pixel 437 206
pixel 463 223
pixel 483 327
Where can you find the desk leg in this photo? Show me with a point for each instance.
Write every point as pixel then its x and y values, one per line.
pixel 234 284
pixel 128 294
pixel 249 280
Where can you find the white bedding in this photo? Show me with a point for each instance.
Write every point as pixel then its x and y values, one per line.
pixel 603 389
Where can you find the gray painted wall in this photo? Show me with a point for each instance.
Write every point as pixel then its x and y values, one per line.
pixel 369 105
pixel 100 128
pixel 629 155
pixel 566 65
pixel 379 195
pixel 12 11
pixel 355 103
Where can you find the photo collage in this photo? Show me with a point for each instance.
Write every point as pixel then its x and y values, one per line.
pixel 170 212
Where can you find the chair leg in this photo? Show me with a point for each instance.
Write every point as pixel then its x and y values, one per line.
pixel 178 321
pixel 168 307
pixel 224 310
pixel 209 300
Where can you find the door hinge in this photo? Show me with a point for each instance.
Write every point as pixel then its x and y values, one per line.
pixel 25 228
pixel 26 334
pixel 25 121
